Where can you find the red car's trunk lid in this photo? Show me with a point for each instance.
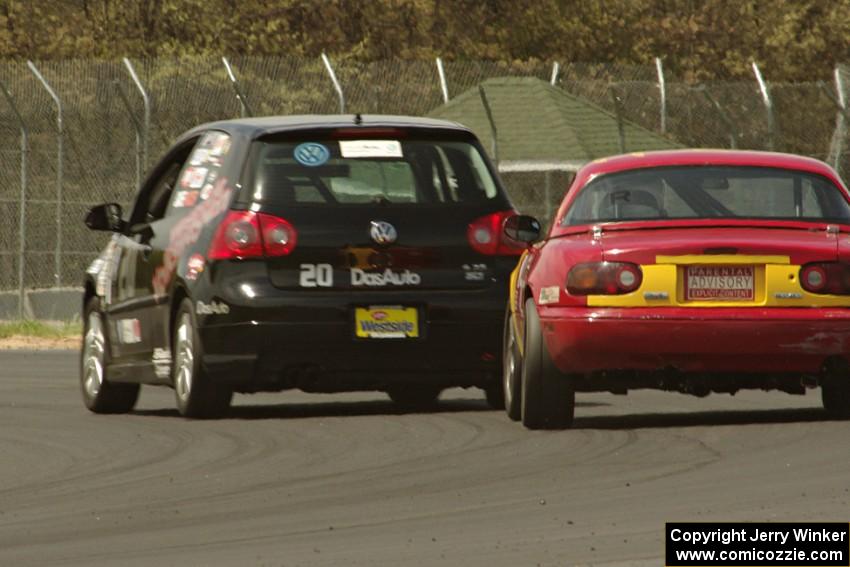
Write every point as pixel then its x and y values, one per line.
pixel 643 246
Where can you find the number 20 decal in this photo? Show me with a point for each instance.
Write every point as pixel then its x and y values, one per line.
pixel 316 275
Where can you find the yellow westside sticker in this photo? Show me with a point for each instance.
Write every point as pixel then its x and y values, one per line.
pixel 386 322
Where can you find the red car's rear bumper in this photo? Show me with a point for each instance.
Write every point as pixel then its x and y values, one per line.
pixel 583 340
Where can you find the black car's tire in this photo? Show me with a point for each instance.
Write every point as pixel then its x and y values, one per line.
pixel 511 370
pixel 99 394
pixel 835 393
pixel 415 396
pixel 197 396
pixel 548 398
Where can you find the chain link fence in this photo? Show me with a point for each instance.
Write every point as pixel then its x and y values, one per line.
pixel 94 140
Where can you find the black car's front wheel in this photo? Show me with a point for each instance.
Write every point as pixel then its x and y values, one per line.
pixel 99 394
pixel 197 396
pixel 548 397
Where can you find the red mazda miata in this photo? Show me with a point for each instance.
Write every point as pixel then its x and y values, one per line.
pixel 695 271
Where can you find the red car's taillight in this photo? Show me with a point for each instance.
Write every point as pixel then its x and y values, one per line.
pixel 604 278
pixel 246 234
pixel 485 235
pixel 826 277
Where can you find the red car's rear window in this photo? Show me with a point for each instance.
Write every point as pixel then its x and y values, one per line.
pixel 705 192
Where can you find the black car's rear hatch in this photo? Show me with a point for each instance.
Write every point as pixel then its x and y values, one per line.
pixel 380 209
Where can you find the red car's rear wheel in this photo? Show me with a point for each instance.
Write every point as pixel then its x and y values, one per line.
pixel 548 398
pixel 512 370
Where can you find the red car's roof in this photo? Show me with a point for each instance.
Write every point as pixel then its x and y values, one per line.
pixel 692 157
pixel 706 157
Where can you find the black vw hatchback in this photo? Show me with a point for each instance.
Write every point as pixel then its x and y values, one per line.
pixel 325 253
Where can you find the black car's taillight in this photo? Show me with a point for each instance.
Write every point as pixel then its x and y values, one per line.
pixel 826 277
pixel 604 278
pixel 247 234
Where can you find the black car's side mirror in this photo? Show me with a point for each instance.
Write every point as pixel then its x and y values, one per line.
pixel 522 228
pixel 105 217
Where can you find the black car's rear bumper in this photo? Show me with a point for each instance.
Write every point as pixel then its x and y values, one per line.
pixel 307 340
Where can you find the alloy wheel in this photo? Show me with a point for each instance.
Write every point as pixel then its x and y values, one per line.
pixel 185 361
pixel 93 355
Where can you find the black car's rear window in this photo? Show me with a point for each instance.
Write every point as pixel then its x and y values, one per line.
pixel 370 171
pixel 708 192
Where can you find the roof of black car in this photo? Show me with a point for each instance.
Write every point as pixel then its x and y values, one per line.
pixel 255 127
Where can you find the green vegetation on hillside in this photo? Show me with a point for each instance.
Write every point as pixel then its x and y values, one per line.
pixel 699 40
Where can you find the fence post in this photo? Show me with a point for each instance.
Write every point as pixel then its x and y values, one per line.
pixel 243 100
pixel 840 121
pixel 836 142
pixel 555 68
pixel 618 111
pixel 60 161
pixel 444 87
pixel 22 208
pixel 376 89
pixel 662 88
pixel 136 126
pixel 768 105
pixel 730 126
pixel 493 132
pixel 337 86
pixel 146 101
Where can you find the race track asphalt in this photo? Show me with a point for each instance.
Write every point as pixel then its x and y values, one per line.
pixel 296 479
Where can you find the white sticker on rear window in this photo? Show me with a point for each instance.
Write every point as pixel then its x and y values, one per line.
pixel 370 148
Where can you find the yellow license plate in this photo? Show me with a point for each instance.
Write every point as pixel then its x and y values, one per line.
pixel 720 283
pixel 386 322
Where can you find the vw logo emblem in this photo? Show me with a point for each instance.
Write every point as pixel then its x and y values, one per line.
pixel 383 232
pixel 311 154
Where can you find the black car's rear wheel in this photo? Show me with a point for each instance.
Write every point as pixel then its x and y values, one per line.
pixel 99 394
pixel 197 396
pixel 511 370
pixel 548 398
